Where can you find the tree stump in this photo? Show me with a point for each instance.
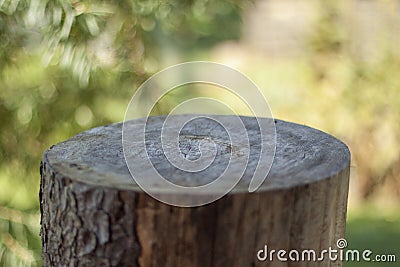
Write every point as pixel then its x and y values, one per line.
pixel 93 214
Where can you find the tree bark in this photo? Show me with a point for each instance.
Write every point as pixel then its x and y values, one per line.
pixel 93 214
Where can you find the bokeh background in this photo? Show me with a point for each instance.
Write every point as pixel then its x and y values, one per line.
pixel 67 66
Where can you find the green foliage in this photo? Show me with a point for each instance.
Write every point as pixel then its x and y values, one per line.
pixel 365 90
pixel 19 243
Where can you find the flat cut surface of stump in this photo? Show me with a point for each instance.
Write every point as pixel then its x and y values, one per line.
pixel 303 155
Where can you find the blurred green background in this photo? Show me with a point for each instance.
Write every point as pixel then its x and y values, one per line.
pixel 67 66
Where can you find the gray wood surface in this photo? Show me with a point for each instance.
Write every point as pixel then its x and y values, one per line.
pixel 303 155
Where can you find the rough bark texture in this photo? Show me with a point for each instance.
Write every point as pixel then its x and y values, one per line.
pixel 94 215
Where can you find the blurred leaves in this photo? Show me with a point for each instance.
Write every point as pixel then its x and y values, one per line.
pixel 364 89
pixel 19 244
pixel 83 35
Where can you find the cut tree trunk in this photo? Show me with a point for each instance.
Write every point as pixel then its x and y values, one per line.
pixel 93 214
